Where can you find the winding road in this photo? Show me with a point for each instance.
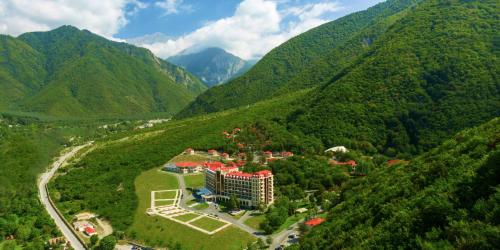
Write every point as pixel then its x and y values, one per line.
pixel 44 198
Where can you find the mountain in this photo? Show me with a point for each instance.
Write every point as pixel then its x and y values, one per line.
pixel 304 61
pixel 445 199
pixel 212 65
pixel 69 72
pixel 430 75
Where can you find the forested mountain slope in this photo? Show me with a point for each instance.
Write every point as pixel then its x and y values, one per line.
pixel 304 61
pixel 212 65
pixel 68 72
pixel 432 74
pixel 25 150
pixel 448 198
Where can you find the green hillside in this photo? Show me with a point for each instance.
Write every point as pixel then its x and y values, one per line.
pixel 74 73
pixel 26 149
pixel 432 74
pixel 118 162
pixel 21 70
pixel 448 198
pixel 304 61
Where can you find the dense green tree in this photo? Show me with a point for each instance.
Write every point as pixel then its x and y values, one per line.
pixel 107 243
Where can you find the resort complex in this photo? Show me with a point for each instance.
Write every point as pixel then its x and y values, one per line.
pixel 251 189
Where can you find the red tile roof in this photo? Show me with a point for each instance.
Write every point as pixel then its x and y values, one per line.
pixel 314 222
pixel 351 163
pixel 89 230
pixel 263 173
pixel 216 165
pixel 239 174
pixel 396 161
pixel 286 154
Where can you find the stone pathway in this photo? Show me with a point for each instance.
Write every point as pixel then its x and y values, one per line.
pixel 172 211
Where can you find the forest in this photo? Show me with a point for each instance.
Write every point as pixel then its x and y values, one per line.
pixel 448 198
pixel 25 151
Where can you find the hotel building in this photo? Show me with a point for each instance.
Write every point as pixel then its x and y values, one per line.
pixel 252 190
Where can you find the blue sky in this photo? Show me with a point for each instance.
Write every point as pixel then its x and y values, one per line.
pixel 155 19
pixel 246 28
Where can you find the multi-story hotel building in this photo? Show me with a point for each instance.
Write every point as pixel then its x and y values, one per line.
pixel 252 190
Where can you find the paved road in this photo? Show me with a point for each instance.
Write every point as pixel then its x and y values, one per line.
pixel 42 182
pixel 282 236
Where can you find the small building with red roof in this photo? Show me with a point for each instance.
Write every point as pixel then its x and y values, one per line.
pixel 184 167
pixel 89 231
pixel 225 156
pixel 286 154
pixel 314 222
pixel 213 152
pixel 350 163
pixel 189 151
pixel 268 154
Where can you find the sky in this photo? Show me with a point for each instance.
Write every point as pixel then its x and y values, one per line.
pixel 246 28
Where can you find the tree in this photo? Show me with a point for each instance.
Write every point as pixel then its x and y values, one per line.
pixel 107 243
pixel 233 203
pixel 93 240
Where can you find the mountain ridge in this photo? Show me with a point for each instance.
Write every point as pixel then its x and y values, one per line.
pixel 80 74
pixel 212 65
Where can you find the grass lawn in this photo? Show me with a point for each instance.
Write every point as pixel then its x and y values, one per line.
pixel 163 203
pixel 254 221
pixel 289 221
pixel 207 223
pixel 186 217
pixel 156 231
pixel 165 195
pixel 201 206
pixel 195 180
pixel 189 202
pixel 196 157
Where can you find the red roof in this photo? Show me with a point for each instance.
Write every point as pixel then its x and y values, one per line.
pixel 240 174
pixel 189 149
pixel 225 154
pixel 395 161
pixel 286 154
pixel 351 163
pixel 216 165
pixel 89 230
pixel 187 164
pixel 263 173
pixel 273 159
pixel 314 222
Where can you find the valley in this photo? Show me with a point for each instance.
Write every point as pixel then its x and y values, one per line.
pixel 379 129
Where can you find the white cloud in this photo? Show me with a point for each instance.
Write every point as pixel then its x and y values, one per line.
pixel 104 17
pixel 256 27
pixel 173 6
